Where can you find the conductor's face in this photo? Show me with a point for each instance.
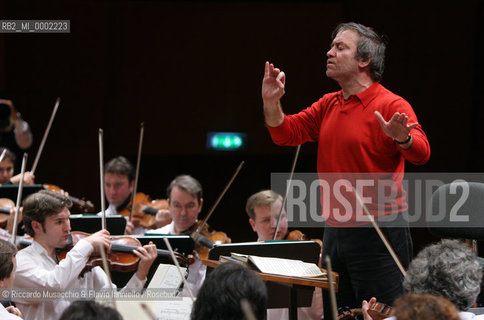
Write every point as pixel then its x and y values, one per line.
pixel 184 209
pixel 117 188
pixel 342 64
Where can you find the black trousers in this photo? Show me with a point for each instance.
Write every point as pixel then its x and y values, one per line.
pixel 366 268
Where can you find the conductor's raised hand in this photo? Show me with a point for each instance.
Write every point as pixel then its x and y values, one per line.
pixel 397 127
pixel 273 84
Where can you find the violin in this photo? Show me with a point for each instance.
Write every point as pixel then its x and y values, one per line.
pixel 378 311
pixel 120 258
pixel 144 211
pixel 79 204
pixel 6 206
pixel 299 236
pixel 207 238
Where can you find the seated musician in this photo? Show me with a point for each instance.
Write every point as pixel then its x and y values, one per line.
pixel 46 219
pixel 7 169
pixel 221 293
pixel 263 210
pixel 185 203
pixel 15 133
pixel 448 269
pixel 119 176
pixel 8 265
pixel 90 310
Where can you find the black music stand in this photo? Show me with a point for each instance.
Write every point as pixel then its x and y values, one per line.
pixel 10 191
pixel 115 224
pixel 279 295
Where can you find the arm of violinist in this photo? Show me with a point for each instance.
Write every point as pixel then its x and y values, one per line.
pixel 162 218
pixel 28 178
pixel 365 305
pixel 129 227
pixel 147 255
pixel 14 310
pixel 36 270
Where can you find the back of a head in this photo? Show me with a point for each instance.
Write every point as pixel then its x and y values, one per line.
pixel 7 252
pixel 89 310
pixel 424 307
pixel 448 269
pixel 220 295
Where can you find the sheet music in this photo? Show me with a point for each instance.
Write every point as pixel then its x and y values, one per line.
pixel 179 309
pixel 287 267
pixel 173 309
pixel 166 277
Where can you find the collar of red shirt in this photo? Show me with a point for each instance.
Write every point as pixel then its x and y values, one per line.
pixel 366 96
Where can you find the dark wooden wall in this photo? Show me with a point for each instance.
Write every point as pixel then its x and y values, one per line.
pixel 187 68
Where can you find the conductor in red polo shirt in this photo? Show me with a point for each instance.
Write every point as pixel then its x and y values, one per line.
pixel 361 129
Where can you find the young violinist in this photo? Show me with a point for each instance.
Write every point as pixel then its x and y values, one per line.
pixel 119 176
pixel 46 219
pixel 7 169
pixel 185 203
pixel 8 265
pixel 263 209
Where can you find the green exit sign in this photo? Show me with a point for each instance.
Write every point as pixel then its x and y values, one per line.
pixel 227 141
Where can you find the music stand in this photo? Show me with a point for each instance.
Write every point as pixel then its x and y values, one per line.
pixel 279 295
pixel 115 224
pixel 10 191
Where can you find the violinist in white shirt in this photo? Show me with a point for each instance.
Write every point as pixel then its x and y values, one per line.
pixel 46 219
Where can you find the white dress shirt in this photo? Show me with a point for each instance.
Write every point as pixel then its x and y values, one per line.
pixel 196 271
pixel 464 315
pixel 5 315
pixel 37 270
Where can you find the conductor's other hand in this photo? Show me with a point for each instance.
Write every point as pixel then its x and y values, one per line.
pixel 397 127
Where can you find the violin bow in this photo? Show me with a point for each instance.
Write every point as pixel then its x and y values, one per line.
pixel 332 293
pixel 46 133
pixel 19 198
pixel 293 167
pixel 380 233
pixel 142 129
pixel 185 283
pixel 200 227
pixel 148 311
pixel 3 154
pixel 101 174
pixel 247 309
pixel 108 273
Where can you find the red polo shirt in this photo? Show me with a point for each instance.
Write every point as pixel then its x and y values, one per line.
pixel 351 140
